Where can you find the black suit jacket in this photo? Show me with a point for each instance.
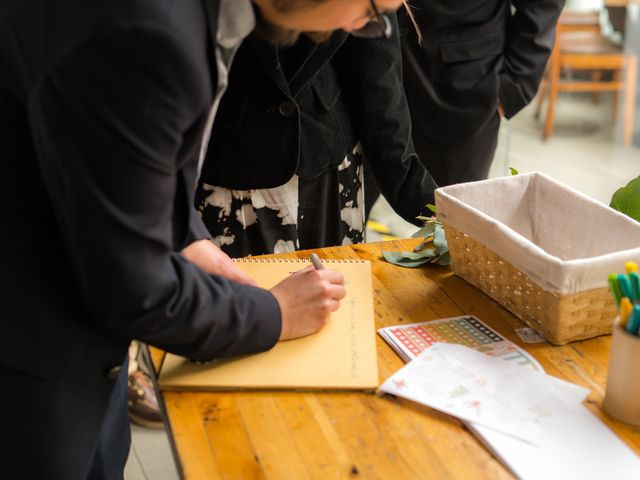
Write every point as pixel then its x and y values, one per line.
pixel 474 54
pixel 347 90
pixel 102 109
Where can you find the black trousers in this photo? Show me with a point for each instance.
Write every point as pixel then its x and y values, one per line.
pixel 35 443
pixel 114 442
pixel 457 162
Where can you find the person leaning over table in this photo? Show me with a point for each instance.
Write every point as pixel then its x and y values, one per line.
pixel 284 170
pixel 478 60
pixel 103 110
pixel 302 108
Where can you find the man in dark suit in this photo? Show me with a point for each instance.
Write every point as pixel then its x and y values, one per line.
pixel 477 61
pixel 103 109
pixel 300 118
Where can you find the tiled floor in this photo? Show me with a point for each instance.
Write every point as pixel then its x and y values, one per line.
pixel 584 152
pixel 580 154
pixel 150 457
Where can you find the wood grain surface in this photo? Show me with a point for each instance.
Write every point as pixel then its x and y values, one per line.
pixel 296 435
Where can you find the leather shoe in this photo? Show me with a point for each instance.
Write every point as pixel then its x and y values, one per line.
pixel 142 403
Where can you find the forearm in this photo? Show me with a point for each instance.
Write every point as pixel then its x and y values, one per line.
pixel 109 165
pixel 372 78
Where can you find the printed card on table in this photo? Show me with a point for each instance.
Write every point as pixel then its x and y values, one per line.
pixel 411 339
pixel 475 387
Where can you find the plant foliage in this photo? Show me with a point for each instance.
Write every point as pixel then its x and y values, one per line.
pixel 627 199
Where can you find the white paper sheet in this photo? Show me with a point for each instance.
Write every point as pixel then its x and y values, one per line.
pixel 487 391
pixel 582 448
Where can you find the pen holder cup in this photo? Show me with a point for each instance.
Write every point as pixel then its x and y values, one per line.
pixel 622 396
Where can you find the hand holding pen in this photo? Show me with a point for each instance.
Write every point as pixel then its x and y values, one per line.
pixel 307 298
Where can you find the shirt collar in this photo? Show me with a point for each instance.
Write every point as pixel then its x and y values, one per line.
pixel 236 20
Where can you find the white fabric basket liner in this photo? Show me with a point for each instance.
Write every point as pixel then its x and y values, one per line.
pixel 562 239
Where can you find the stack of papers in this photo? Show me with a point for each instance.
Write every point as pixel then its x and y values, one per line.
pixel 488 391
pixel 534 423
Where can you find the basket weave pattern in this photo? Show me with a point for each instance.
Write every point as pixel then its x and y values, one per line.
pixel 560 318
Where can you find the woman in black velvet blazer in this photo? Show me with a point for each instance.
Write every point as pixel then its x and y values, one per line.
pixel 309 113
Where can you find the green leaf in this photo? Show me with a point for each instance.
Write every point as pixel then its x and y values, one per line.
pixel 627 199
pixel 432 249
pixel 425 231
pixel 431 207
pixel 439 241
pixel 444 259
pixel 397 258
pixel 513 171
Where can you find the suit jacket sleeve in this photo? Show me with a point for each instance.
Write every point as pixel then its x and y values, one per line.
pixel 197 228
pixel 371 74
pixel 530 38
pixel 109 122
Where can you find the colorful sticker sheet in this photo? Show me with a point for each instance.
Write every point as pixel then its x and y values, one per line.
pixel 410 340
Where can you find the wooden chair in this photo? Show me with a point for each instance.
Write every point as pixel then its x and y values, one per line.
pixel 581 47
pixel 572 21
pixel 569 21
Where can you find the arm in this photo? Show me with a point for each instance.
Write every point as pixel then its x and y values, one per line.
pixel 108 123
pixel 371 76
pixel 530 38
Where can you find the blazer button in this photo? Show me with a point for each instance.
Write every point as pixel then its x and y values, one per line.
pixel 113 372
pixel 286 108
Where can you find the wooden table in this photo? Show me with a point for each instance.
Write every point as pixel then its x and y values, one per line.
pixel 293 435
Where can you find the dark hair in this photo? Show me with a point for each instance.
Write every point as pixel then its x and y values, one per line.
pixel 287 6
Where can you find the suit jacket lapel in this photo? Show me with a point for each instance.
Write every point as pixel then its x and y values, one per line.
pixel 267 55
pixel 211 9
pixel 320 55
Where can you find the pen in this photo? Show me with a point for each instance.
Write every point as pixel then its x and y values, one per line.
pixel 635 286
pixel 317 263
pixel 615 288
pixel 626 307
pixel 634 321
pixel 625 286
pixel 631 267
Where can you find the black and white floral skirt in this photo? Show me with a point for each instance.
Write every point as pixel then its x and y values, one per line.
pixel 303 213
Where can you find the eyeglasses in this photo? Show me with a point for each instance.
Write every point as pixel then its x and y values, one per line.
pixel 379 25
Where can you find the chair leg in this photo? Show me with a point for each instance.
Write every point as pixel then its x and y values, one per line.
pixel 554 80
pixel 630 97
pixel 542 92
pixel 596 76
pixel 617 75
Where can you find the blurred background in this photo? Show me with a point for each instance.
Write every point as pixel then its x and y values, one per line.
pixel 585 132
pixel 583 128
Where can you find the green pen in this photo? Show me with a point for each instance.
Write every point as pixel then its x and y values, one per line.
pixel 635 286
pixel 614 287
pixel 625 286
pixel 633 324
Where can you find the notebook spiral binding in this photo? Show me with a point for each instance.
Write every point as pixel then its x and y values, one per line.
pixel 296 260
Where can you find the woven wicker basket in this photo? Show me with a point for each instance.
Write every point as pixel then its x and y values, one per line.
pixel 560 318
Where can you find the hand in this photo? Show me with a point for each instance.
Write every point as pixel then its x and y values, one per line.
pixel 214 261
pixel 307 299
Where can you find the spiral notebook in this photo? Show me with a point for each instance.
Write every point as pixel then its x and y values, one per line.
pixel 340 356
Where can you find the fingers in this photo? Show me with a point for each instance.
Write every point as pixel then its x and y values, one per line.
pixel 232 272
pixel 332 276
pixel 214 261
pixel 331 305
pixel 310 268
pixel 307 300
pixel 335 292
pixel 229 269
